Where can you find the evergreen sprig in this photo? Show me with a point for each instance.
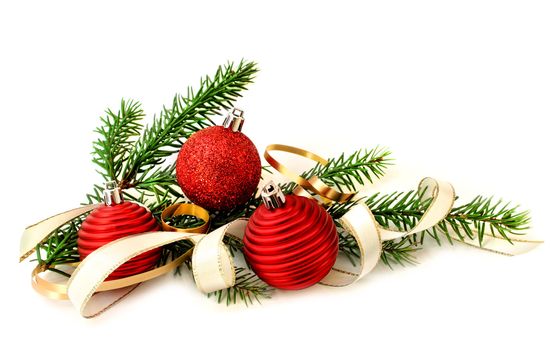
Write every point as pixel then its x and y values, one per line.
pixel 349 171
pixel 116 137
pixel 398 252
pixel 474 219
pixel 248 288
pixel 402 211
pixel 357 168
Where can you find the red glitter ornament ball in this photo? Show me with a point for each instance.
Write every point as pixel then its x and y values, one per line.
pixel 290 242
pixel 114 220
pixel 219 167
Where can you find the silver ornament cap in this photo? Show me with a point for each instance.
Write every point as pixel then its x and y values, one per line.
pixel 272 196
pixel 234 120
pixel 112 194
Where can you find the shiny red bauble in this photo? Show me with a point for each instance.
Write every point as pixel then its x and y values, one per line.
pixel 293 246
pixel 110 222
pixel 218 168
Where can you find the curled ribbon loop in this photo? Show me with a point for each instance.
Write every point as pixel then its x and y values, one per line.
pixel 442 197
pixel 186 209
pixel 361 224
pixel 313 185
pixel 212 264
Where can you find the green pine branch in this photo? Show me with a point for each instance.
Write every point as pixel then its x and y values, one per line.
pixel 483 216
pixel 399 252
pixel 248 288
pixel 116 138
pixel 347 172
pixel 402 211
pixel 474 219
pixel 356 169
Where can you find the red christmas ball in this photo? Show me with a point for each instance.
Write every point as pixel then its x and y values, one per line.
pixel 219 167
pixel 113 221
pixel 293 246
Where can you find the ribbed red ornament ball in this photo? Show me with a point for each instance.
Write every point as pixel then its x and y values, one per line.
pixel 219 167
pixel 114 220
pixel 290 241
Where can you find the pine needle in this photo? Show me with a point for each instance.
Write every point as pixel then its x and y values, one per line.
pixel 248 288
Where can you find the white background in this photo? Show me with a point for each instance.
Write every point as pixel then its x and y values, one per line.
pixel 460 90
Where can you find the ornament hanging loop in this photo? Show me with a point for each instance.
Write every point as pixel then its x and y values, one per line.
pixel 272 196
pixel 234 120
pixel 111 194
